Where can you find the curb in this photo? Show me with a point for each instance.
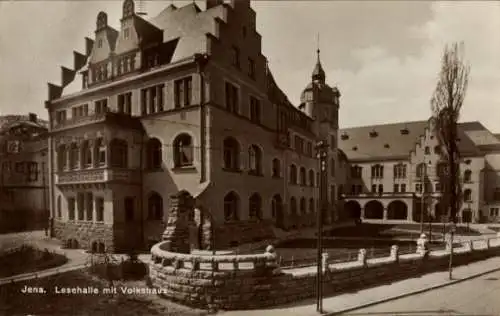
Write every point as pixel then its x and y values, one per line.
pixel 396 297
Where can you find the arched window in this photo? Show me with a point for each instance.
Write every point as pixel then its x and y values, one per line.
pixel 467 175
pixel 255 206
pixel 467 195
pixel 293 174
pixel 421 169
pixel 332 167
pixel 155 207
pixel 293 206
pixel 311 205
pixel 276 168
pixel 255 159
pixel 183 151
pixel 59 207
pixel 302 176
pixel 154 154
pixel 311 178
pixel 231 154
pixel 276 205
pixel 74 156
pixel 119 153
pixel 231 207
pixel 303 209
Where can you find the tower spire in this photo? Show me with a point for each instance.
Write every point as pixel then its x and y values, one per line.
pixel 318 72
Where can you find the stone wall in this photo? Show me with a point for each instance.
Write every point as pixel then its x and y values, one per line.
pixel 228 282
pixel 85 233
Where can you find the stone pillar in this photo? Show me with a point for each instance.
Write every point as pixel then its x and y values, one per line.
pixel 176 234
pixel 324 261
pixel 423 245
pixel 395 253
pixel 386 214
pixel 362 257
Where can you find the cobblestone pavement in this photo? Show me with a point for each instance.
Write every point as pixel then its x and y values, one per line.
pixel 479 296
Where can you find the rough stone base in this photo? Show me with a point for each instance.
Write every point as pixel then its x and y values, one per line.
pixel 85 233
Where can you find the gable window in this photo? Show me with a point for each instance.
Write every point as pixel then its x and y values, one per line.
pixel 276 173
pixel 251 68
pixel 255 160
pixel 467 175
pixel 232 98
pixel 231 154
pixel 125 103
pixel 236 56
pixel 183 151
pixel 99 43
pixel 182 92
pixel 421 170
pixel 255 110
pixel 154 154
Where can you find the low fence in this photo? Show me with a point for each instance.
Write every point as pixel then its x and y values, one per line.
pixel 228 282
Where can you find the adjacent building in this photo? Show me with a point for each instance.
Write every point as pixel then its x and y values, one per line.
pixel 24 187
pixel 184 101
pixel 397 172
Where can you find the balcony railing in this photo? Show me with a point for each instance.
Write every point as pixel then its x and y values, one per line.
pixel 97 176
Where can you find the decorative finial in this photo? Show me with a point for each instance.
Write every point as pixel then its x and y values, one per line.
pixel 317 44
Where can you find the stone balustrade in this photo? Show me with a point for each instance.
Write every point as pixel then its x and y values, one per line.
pixel 227 282
pixel 97 175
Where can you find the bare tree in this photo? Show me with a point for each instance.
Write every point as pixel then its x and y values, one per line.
pixel 446 104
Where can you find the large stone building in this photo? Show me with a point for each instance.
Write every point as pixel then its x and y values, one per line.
pixel 184 101
pixel 391 165
pixel 24 187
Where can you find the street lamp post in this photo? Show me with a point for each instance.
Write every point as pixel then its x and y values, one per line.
pixel 321 147
pixel 450 267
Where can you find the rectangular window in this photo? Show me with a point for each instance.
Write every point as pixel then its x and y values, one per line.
pixel 129 209
pixel 183 92
pixel 236 56
pixel 374 188
pixel 255 110
pixel 418 187
pixel 396 188
pixel 99 209
pixel 152 100
pixel 101 106
pixel 99 43
pixel 80 198
pixel 438 187
pixel 309 150
pixel 144 108
pixel 380 188
pixel 126 33
pixel 403 188
pixel 251 68
pixel 232 98
pixel 20 167
pixel 71 209
pixel 496 194
pixel 89 206
pixel 333 142
pixel 33 171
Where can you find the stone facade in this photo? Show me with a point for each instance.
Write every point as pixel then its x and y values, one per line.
pixel 254 281
pixel 86 233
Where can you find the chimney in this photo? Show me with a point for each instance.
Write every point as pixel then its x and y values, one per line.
pixel 32 117
pixel 213 3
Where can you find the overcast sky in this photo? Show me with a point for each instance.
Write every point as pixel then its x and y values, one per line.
pixel 383 56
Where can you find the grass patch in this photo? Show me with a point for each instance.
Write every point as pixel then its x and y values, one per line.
pixel 14 302
pixel 28 259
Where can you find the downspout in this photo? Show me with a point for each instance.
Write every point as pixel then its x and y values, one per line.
pixel 51 172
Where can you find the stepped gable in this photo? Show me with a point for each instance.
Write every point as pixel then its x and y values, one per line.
pixel 396 140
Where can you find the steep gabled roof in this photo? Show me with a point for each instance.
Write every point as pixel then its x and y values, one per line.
pixel 397 140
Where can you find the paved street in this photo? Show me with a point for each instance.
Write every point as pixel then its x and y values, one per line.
pixel 479 296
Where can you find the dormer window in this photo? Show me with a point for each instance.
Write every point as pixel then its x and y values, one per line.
pixel 405 131
pixel 373 134
pixel 126 33
pixel 344 136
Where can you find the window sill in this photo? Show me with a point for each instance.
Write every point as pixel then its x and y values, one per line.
pixel 189 168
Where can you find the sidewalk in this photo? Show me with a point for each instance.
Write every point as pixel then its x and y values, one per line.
pixel 350 301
